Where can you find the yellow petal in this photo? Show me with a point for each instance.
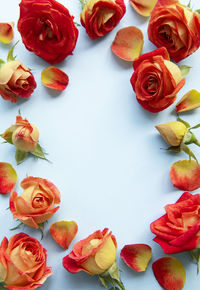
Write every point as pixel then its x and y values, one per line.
pixel 190 101
pixel 128 43
pixel 6 32
pixel 143 7
pixel 54 78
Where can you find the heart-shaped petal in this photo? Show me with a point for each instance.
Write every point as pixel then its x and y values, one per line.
pixel 190 101
pixel 136 256
pixel 8 177
pixel 54 78
pixel 185 175
pixel 63 232
pixel 143 7
pixel 6 32
pixel 128 43
pixel 170 273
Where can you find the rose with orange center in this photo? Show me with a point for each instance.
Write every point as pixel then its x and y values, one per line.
pixel 179 229
pixel 47 29
pixel 175 27
pixel 36 203
pixel 156 80
pixel 16 80
pixel 94 255
pixel 23 263
pixel 100 17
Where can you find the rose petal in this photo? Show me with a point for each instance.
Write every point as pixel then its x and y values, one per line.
pixel 143 7
pixel 63 232
pixel 136 256
pixel 6 32
pixel 170 273
pixel 189 101
pixel 54 78
pixel 128 43
pixel 185 175
pixel 8 177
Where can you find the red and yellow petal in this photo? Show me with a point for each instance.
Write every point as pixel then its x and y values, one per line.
pixel 6 32
pixel 185 175
pixel 128 43
pixel 54 78
pixel 8 177
pixel 190 101
pixel 143 7
pixel 170 273
pixel 63 232
pixel 136 256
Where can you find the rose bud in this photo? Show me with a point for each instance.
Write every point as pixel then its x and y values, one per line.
pixel 95 255
pixel 100 17
pixel 24 136
pixel 16 80
pixel 36 203
pixel 23 263
pixel 156 80
pixel 47 29
pixel 175 27
pixel 172 132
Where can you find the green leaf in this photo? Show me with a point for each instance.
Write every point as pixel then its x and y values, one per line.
pixel 2 285
pixel 195 254
pixel 185 69
pixel 20 156
pixel 184 122
pixel 10 56
pixel 38 151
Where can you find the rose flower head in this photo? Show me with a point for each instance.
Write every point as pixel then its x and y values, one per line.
pixel 175 27
pixel 23 263
pixel 95 255
pixel 178 135
pixel 24 136
pixel 16 80
pixel 36 204
pixel 156 80
pixel 100 17
pixel 47 29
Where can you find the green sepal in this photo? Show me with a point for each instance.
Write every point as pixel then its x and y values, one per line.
pixel 185 69
pixel 189 4
pixel 41 227
pixel 83 3
pixel 8 133
pixel 10 56
pixel 184 122
pixel 195 127
pixel 2 285
pixel 188 138
pixel 195 254
pixel 111 277
pixel 20 156
pixel 189 152
pixel 175 149
pixel 38 152
pixel 17 227
pixel 2 62
pixel 197 11
pixel 76 23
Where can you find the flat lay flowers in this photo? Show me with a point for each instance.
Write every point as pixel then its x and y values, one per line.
pixel 99 161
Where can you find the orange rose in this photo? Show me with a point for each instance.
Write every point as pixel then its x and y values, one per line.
pixel 156 80
pixel 100 17
pixel 36 203
pixel 16 80
pixel 94 255
pixel 175 27
pixel 23 263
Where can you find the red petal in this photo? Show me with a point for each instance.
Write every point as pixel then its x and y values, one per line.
pixel 8 177
pixel 54 78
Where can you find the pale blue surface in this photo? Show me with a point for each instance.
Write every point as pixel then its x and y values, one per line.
pixel 105 151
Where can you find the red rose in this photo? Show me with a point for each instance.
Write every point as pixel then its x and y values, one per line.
pixel 156 80
pixel 47 29
pixel 178 230
pixel 175 27
pixel 100 17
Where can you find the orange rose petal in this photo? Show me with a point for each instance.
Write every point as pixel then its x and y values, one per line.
pixel 185 175
pixel 143 7
pixel 170 273
pixel 189 101
pixel 8 177
pixel 63 232
pixel 136 256
pixel 54 78
pixel 128 43
pixel 6 32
